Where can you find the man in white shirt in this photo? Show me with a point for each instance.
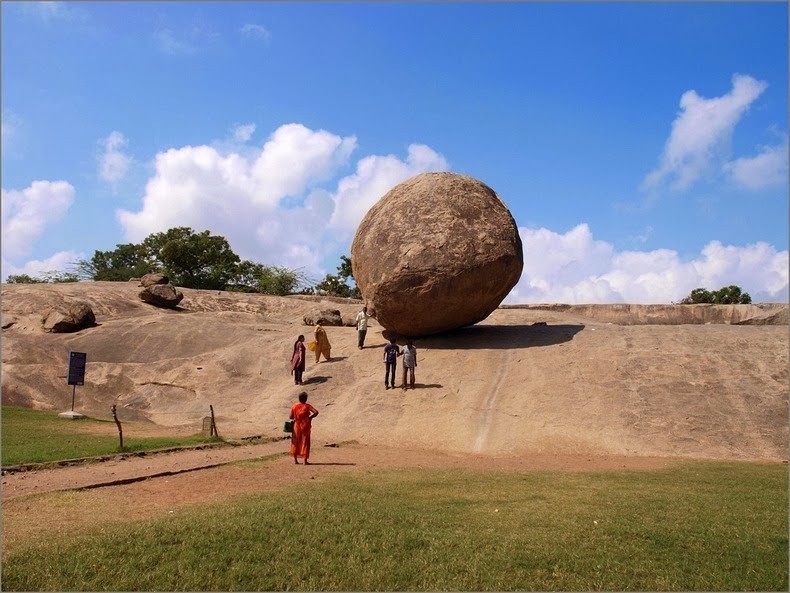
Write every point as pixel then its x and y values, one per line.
pixel 362 327
pixel 409 353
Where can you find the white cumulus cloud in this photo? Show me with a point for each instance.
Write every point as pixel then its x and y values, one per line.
pixel 266 203
pixel 26 213
pixel 767 169
pixel 113 162
pixel 575 268
pixel 295 155
pixel 701 134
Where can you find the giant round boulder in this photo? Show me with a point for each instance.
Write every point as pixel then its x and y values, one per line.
pixel 437 252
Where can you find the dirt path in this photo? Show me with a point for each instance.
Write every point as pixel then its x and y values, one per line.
pixel 126 469
pixel 69 501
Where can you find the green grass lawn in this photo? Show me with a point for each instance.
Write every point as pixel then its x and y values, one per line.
pixel 30 436
pixel 697 526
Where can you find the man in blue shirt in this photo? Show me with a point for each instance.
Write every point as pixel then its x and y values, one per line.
pixel 391 354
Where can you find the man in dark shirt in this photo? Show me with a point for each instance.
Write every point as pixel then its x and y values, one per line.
pixel 391 354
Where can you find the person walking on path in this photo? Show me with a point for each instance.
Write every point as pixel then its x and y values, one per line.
pixel 409 363
pixel 302 414
pixel 298 360
pixel 362 327
pixel 322 345
pixel 391 354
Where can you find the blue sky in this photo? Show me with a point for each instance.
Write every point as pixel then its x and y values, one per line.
pixel 641 147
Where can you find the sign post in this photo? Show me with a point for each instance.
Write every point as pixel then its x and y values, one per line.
pixel 76 377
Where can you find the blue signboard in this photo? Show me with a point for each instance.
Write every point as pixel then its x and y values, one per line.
pixel 77 368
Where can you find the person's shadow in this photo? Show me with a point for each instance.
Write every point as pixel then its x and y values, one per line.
pixel 425 386
pixel 334 359
pixel 315 380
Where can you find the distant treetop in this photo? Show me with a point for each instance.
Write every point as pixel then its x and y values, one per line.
pixel 727 295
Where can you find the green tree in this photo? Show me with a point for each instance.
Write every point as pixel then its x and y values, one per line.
pixel 277 280
pixel 59 276
pixel 246 277
pixel 732 295
pixel 333 285
pixel 337 284
pixel 191 260
pixel 345 269
pixel 51 277
pixel 24 279
pixel 697 296
pixel 727 295
pixel 280 280
pixel 123 263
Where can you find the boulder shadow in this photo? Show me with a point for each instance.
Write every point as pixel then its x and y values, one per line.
pixel 501 336
pixel 170 309
pixel 375 346
pixel 315 380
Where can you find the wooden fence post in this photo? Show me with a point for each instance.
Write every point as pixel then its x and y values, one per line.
pixel 214 432
pixel 118 424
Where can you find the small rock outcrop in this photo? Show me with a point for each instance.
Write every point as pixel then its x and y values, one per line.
pixel 162 295
pixel 78 316
pixel 437 252
pixel 324 317
pixel 154 278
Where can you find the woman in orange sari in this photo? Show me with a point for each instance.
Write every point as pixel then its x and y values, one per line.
pixel 302 414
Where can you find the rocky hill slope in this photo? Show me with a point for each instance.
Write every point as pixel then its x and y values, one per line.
pixel 690 381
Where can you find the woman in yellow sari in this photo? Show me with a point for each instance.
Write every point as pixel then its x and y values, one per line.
pixel 322 345
pixel 302 414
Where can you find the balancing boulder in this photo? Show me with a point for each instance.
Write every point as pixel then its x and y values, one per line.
pixel 437 252
pixel 166 296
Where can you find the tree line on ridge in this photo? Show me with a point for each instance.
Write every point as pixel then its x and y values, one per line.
pixel 201 261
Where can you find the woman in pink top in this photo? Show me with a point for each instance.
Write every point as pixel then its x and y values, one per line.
pixel 297 360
